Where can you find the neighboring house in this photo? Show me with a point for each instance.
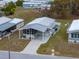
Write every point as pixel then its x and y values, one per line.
pixel 38 0
pixel 39 28
pixel 7 1
pixel 8 25
pixel 73 32
pixel 2 4
pixel 37 4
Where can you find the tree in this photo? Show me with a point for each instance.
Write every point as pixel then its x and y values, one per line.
pixel 9 9
pixel 64 9
pixel 19 3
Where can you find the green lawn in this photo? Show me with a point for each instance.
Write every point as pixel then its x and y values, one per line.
pixel 59 43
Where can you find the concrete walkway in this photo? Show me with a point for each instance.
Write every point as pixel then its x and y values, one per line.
pixel 32 47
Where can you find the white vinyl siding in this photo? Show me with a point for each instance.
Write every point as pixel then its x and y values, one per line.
pixel 20 25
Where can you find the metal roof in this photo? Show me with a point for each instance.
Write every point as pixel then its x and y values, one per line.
pixel 16 20
pixel 2 3
pixel 36 0
pixel 6 1
pixel 9 24
pixel 41 24
pixel 31 3
pixel 36 27
pixel 4 19
pixel 45 21
pixel 6 26
pixel 74 26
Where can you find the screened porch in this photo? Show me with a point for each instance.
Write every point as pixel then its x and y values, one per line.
pixel 33 34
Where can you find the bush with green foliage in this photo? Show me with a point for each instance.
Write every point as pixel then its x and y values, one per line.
pixel 19 3
pixel 9 9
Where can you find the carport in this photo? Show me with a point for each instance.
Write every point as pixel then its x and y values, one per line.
pixel 6 28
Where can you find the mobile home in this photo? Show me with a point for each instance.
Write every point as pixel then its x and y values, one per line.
pixel 73 32
pixel 39 28
pixel 37 4
pixel 8 25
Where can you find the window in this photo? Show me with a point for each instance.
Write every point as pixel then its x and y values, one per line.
pixel 72 35
pixel 75 35
pixel 27 5
pixel 24 31
pixel 29 31
pixel 78 35
pixel 55 28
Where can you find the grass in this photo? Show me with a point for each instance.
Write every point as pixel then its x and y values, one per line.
pixel 59 42
pixel 27 15
pixel 59 37
pixel 16 44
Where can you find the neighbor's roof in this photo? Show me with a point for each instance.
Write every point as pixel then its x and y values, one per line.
pixel 6 1
pixel 6 26
pixel 17 20
pixel 4 20
pixel 36 0
pixel 9 24
pixel 2 2
pixel 31 3
pixel 74 26
pixel 41 24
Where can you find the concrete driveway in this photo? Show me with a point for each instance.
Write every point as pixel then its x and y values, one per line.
pixel 32 47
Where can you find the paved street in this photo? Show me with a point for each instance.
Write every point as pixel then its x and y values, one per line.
pixel 17 55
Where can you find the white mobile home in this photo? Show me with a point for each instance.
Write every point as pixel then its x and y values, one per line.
pixel 7 1
pixel 8 25
pixel 39 4
pixel 39 28
pixel 73 32
pixel 2 4
pixel 42 1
